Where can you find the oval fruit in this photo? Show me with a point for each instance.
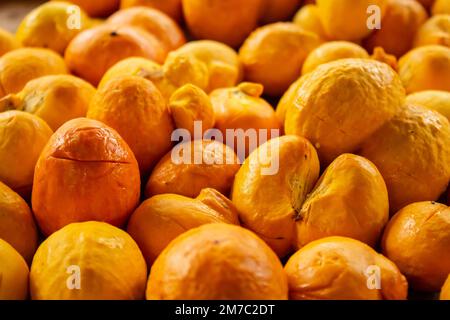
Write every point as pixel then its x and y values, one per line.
pixel 14 271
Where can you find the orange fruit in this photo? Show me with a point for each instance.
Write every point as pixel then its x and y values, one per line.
pixel 309 19
pixel 279 10
pixel 229 21
pixel 432 99
pixel 162 218
pixel 56 99
pixel 97 8
pixel 445 291
pixel 103 260
pixel 217 262
pixel 413 155
pixel 417 239
pixel 351 98
pixel 265 52
pixel 14 271
pixel 271 186
pixel 85 172
pixel 441 7
pixel 192 166
pixel 242 109
pixel 400 23
pixel 7 42
pixel 425 68
pixel 19 66
pixel 169 7
pixel 135 108
pixel 153 21
pixel 435 31
pixel 23 137
pixel 92 52
pixel 380 55
pixel 339 268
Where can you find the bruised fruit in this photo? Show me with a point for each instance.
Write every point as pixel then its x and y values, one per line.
pixel 14 274
pixel 85 172
pixel 169 7
pixel 218 262
pixel 162 218
pixel 340 268
pixel 88 261
pixel 192 166
pixel 432 99
pixel 435 31
pixel 417 240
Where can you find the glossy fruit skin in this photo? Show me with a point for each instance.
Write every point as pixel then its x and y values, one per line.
pixel 153 21
pixel 55 99
pixel 85 172
pixel 279 10
pixel 417 239
pixel 267 204
pixel 425 68
pixel 349 200
pixel 195 165
pixel 218 262
pixel 17 225
pixel 432 99
pixel 229 22
pixel 23 137
pixel 7 42
pixel 435 31
pixel 19 66
pixel 336 268
pixel 47 26
pixel 445 291
pixel 92 52
pixel 332 51
pixel 413 155
pixel 162 218
pixel 169 7
pixel 352 98
pixel 399 25
pixel 111 266
pixel 308 18
pixel 14 271
pixel 243 108
pixel 135 108
pixel 265 52
pixel 97 8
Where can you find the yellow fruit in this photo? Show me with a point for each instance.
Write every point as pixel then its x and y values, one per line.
pixel 445 291
pixel 23 137
pixel 331 51
pixel 265 53
pixel 441 7
pixel 217 262
pixel 339 268
pixel 341 103
pixel 56 99
pixel 7 42
pixel 425 68
pixel 19 66
pixel 17 226
pixel 14 274
pixel 347 19
pixel 308 18
pixel 104 260
pixel 435 31
pixel 50 26
pixel 432 99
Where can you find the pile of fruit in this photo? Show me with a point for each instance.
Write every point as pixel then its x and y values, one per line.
pixel 338 189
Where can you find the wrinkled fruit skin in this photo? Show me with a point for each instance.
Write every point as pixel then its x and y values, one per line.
pixel 85 172
pixel 217 262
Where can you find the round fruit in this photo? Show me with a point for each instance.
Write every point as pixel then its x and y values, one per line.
pixel 85 172
pixel 135 108
pixel 23 138
pixel 266 50
pixel 14 274
pixel 445 291
pixel 417 239
pixel 152 21
pixel 19 66
pixel 162 218
pixel 88 261
pixel 426 68
pixel 271 186
pixel 16 223
pixel 48 26
pixel 435 31
pixel 432 99
pixel 217 261
pixel 341 103
pixel 279 10
pixel 309 19
pixel 332 51
pixel 56 99
pixel 339 268
pixel 412 152
pixel 7 42
pixel 441 7
pixel 97 8
pixel 229 21
pixel 169 7
pixel 92 52
pixel 192 166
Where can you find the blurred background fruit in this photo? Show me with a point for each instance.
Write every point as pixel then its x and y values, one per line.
pixel 445 291
pixel 309 19
pixel 97 8
pixel 170 7
pixel 432 99
pixel 279 10
pixel 7 42
pixel 441 7
pixel 435 31
pixel 14 271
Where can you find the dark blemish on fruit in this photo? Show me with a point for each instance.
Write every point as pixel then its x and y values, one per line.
pixel 114 34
